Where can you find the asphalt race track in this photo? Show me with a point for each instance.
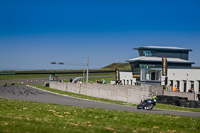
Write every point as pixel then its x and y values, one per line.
pixel 22 92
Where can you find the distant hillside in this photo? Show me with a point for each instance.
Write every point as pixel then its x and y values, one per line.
pixel 120 66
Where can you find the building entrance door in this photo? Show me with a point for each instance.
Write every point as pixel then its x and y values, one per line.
pixel 153 75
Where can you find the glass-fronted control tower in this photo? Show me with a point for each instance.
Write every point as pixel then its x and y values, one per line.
pixel 148 66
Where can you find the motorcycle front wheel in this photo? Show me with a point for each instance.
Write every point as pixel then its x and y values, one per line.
pixel 149 107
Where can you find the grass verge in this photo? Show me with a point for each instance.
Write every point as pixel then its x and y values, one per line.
pixel 158 106
pixel 177 108
pixel 33 117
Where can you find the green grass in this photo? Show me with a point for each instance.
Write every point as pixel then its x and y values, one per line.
pixel 30 76
pixel 32 117
pixel 172 107
pixel 23 76
pixel 54 71
pixel 107 79
pixel 119 66
pixel 158 106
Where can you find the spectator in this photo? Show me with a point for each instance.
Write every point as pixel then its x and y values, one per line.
pixel 98 82
pixel 13 83
pixel 174 89
pixel 118 82
pixel 104 82
pixel 191 90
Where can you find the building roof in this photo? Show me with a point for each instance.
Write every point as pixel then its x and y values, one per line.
pixel 158 59
pixel 163 48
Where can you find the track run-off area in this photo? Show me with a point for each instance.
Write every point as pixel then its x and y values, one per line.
pixel 27 93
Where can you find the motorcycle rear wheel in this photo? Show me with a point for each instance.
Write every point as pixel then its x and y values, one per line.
pixel 139 107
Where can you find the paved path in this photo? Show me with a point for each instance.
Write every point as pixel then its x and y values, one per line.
pixel 21 92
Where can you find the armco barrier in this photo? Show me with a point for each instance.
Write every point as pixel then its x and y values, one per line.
pixel 128 93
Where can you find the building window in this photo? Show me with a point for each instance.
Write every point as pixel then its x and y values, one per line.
pixel 135 68
pixel 199 86
pixel 171 82
pixel 185 85
pixel 192 84
pixel 146 52
pixel 178 84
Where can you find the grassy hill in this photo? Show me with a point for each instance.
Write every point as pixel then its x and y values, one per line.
pixel 120 66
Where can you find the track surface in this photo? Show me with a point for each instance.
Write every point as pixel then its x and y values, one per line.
pixel 21 92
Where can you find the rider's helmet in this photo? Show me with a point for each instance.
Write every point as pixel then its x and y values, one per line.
pixel 154 97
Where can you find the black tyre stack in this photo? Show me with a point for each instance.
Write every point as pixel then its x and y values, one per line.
pixel 178 101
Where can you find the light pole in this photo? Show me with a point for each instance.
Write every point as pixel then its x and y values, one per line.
pixel 78 64
pixel 87 65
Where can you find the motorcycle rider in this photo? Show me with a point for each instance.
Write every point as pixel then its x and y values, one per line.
pixel 154 97
pixel 144 103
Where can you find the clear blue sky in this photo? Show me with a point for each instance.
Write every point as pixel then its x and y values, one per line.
pixel 35 32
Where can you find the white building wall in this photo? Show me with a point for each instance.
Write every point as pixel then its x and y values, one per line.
pixel 182 75
pixel 174 75
pixel 127 78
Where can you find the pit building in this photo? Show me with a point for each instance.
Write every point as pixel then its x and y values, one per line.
pixel 147 68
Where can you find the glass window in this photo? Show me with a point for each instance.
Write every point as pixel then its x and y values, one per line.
pixel 158 75
pixel 146 52
pixel 149 75
pixel 135 68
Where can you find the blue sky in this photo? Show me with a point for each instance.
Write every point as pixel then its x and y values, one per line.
pixel 34 33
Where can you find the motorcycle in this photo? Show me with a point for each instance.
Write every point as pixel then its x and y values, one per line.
pixel 5 85
pixel 147 104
